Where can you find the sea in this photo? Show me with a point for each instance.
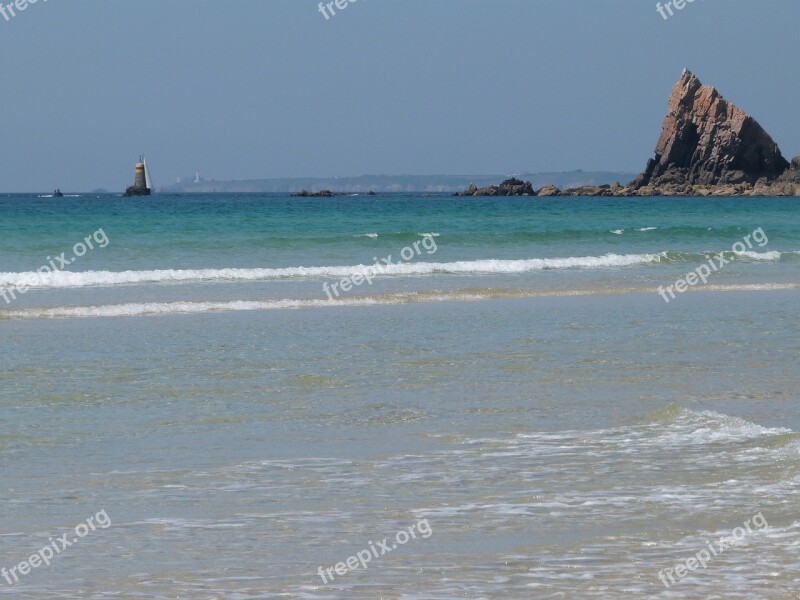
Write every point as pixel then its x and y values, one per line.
pixel 399 397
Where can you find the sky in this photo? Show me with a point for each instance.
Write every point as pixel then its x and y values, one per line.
pixel 247 89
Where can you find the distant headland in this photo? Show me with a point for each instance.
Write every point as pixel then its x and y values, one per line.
pixel 708 147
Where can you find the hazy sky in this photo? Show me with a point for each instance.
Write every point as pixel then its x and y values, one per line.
pixel 269 88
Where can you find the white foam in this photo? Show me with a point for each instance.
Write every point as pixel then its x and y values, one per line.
pixel 617 231
pixel 773 255
pixel 647 228
pixel 749 287
pixel 434 234
pixel 187 307
pixel 686 430
pixel 166 308
pixel 369 235
pixel 707 427
pixel 68 279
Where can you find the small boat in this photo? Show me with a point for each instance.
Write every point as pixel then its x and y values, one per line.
pixel 141 185
pixel 57 193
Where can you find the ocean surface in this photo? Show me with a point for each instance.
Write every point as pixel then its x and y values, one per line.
pixel 251 400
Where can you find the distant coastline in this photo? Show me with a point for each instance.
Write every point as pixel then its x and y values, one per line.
pixel 430 184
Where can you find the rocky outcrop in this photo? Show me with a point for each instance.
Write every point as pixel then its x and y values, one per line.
pixel 708 141
pixel 510 187
pixel 319 194
pixel 591 190
pixel 549 190
pixel 134 190
pixel 708 147
pixel 792 174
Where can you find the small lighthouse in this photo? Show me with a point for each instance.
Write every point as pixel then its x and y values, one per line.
pixel 139 182
pixel 140 185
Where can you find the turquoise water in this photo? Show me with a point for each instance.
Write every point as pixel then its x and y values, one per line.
pixel 518 383
pixel 196 232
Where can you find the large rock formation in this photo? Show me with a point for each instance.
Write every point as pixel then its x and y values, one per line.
pixel 706 140
pixel 708 147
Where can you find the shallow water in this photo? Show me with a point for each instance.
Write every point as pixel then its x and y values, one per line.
pixel 564 431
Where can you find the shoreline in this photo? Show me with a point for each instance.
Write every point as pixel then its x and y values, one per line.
pixel 162 309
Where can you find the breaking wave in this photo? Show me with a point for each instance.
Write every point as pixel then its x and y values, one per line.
pixel 773 255
pixel 67 279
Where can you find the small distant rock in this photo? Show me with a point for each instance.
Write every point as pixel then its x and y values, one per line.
pixel 548 190
pixel 589 190
pixel 319 194
pixel 510 187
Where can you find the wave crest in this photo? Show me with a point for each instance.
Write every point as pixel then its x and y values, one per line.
pixel 69 279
